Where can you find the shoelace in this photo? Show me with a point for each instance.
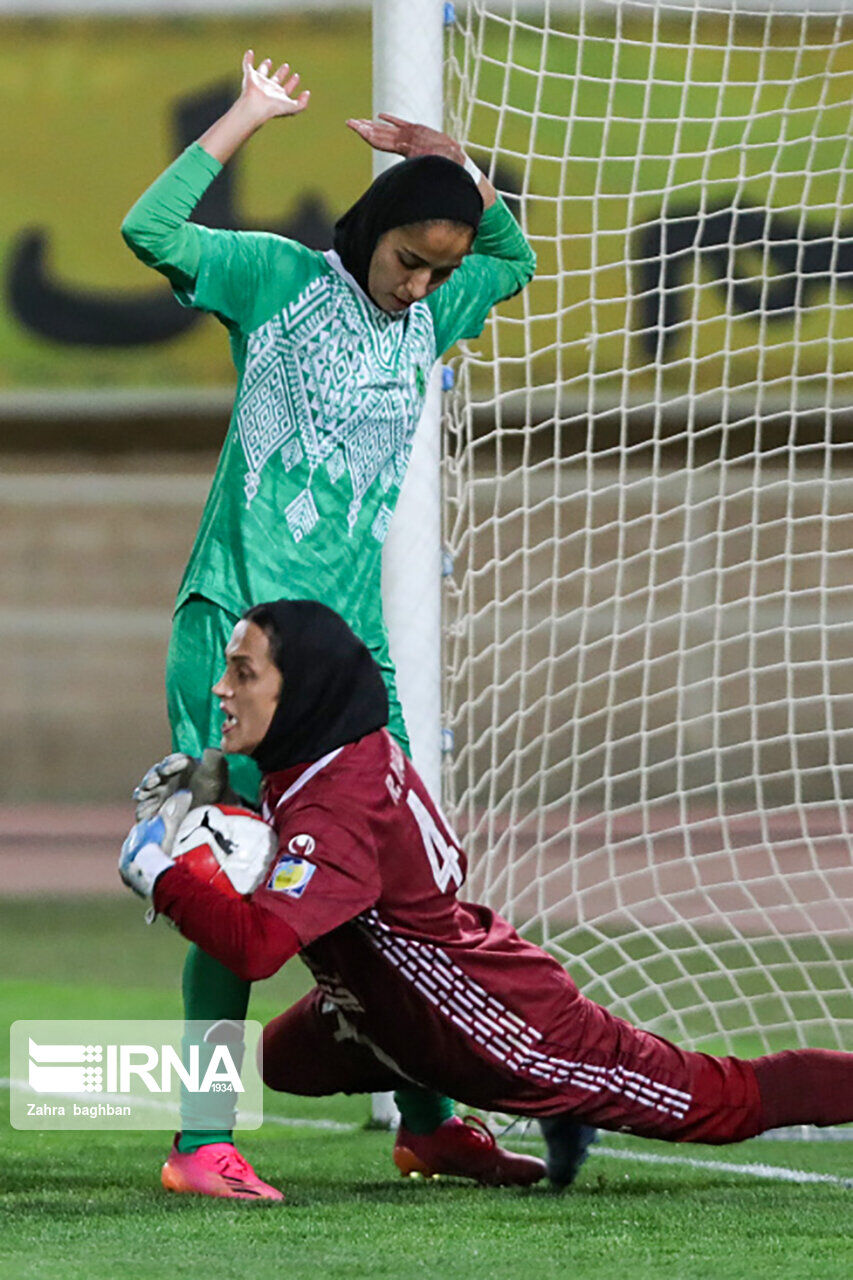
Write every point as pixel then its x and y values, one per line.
pixel 232 1164
pixel 479 1130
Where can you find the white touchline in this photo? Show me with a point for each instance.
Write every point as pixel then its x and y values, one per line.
pixel 773 1172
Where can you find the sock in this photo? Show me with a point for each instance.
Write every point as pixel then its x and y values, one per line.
pixel 194 1138
pixel 805 1086
pixel 211 992
pixel 421 1110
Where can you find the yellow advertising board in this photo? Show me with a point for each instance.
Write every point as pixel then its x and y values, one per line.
pixel 688 192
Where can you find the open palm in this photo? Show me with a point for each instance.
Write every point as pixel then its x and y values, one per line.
pixel 270 93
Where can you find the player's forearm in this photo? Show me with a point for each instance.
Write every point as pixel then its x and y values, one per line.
pixel 248 939
pixel 500 236
pixel 226 135
pixel 487 191
pixel 158 229
pixel 484 186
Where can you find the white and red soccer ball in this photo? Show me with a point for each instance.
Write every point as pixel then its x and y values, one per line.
pixel 225 846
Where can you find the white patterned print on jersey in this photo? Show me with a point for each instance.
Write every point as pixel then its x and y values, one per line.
pixel 332 380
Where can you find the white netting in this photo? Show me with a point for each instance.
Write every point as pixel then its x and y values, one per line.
pixel 648 488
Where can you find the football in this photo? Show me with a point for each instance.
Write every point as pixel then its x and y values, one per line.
pixel 225 846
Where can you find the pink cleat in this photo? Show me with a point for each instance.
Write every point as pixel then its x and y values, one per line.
pixel 464 1149
pixel 217 1169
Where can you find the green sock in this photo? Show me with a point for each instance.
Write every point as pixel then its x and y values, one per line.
pixel 194 1138
pixel 211 992
pixel 422 1110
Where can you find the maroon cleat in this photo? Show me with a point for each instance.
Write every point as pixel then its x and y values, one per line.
pixel 464 1149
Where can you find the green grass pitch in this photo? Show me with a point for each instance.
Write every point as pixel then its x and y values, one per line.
pixel 89 1205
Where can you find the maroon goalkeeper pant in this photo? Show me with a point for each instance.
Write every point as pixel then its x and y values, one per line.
pixel 628 1079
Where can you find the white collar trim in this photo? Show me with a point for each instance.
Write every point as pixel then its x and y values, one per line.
pixel 334 260
pixel 310 772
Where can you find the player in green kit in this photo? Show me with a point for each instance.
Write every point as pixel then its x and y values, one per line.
pixel 333 353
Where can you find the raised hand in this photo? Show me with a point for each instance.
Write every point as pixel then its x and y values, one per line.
pixel 269 93
pixel 404 138
pixel 265 95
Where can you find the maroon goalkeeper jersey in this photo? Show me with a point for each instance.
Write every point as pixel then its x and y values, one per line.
pixel 444 992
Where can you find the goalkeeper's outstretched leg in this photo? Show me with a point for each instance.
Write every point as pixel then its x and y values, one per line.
pixel 621 1078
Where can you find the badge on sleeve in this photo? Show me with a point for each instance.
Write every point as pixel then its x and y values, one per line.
pixel 292 873
pixel 291 876
pixel 301 846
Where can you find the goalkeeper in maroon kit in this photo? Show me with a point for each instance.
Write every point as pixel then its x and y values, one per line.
pixel 414 985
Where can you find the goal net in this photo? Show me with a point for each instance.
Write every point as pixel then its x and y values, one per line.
pixel 648 494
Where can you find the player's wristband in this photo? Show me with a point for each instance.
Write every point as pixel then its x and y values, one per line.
pixel 140 869
pixel 472 169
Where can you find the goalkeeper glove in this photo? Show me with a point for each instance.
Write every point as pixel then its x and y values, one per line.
pixel 146 853
pixel 206 779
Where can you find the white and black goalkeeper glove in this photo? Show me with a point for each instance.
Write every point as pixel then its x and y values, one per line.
pixel 146 853
pixel 206 779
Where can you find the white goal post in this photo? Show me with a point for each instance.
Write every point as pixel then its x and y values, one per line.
pixel 648 485
pixel 408 81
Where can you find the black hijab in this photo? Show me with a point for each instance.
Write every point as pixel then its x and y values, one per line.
pixel 332 689
pixel 412 191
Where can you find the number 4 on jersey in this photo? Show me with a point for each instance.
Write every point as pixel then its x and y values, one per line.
pixel 442 854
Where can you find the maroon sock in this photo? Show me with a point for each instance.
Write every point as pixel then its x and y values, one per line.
pixel 805 1086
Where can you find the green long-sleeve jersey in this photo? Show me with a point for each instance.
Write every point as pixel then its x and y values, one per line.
pixel 330 389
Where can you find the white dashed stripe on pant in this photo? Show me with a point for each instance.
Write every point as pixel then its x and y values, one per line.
pixel 503 1033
